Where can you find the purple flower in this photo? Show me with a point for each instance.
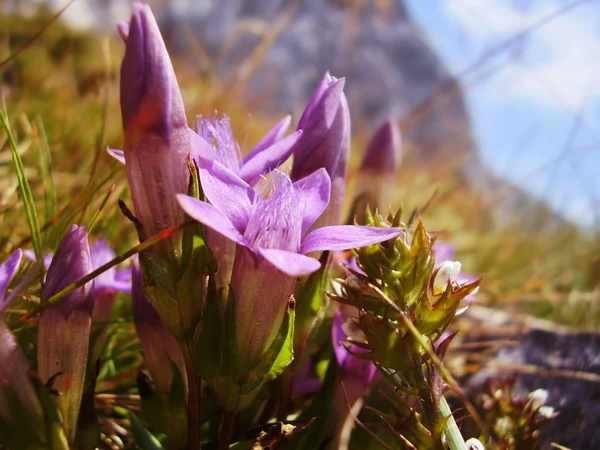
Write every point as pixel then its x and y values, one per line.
pixel 270 231
pixel 384 149
pixel 8 269
pixel 215 141
pixel 157 143
pixel 350 366
pixel 158 343
pixel 14 367
pixel 64 327
pixel 108 283
pixel 356 376
pixel 219 144
pixel 325 143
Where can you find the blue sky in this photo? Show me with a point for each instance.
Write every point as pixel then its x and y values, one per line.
pixel 535 108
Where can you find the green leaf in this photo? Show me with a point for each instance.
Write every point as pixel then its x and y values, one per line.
pixel 142 436
pixel 26 194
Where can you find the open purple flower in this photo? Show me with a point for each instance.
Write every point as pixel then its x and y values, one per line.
pixel 219 144
pixel 215 141
pixel 108 283
pixel 325 142
pixel 270 231
pixel 157 142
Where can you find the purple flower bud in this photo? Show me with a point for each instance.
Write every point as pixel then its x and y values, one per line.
pixel 64 327
pixel 325 143
pixel 158 343
pixel 14 374
pixel 384 150
pixel 156 132
pixel 14 367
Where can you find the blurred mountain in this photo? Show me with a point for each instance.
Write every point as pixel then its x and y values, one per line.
pixel 274 52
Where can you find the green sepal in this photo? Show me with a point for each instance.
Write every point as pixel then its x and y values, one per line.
pixel 310 302
pixel 55 433
pixel 236 391
pixel 166 415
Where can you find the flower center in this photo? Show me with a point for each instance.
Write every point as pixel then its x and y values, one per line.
pixel 276 221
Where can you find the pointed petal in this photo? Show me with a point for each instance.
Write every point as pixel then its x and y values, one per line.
pixel 227 192
pixel 211 217
pixel 290 263
pixel 272 136
pixel 270 158
pixel 313 192
pixel 343 237
pixel 7 272
pixel 119 155
pixel 199 146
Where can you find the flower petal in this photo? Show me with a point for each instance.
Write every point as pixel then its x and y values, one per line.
pixel 268 159
pixel 199 147
pixel 272 136
pixel 313 192
pixel 119 155
pixel 290 263
pixel 7 272
pixel 227 192
pixel 342 237
pixel 211 217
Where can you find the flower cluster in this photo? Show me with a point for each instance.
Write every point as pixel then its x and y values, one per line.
pixel 229 283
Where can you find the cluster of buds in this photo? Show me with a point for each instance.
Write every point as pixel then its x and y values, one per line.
pixel 404 304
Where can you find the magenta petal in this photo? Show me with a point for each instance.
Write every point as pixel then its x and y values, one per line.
pixel 119 155
pixel 343 237
pixel 272 136
pixel 7 272
pixel 211 217
pixel 227 192
pixel 290 263
pixel 268 159
pixel 313 192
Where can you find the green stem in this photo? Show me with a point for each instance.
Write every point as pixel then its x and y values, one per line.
pixel 227 427
pixel 194 398
pixel 453 435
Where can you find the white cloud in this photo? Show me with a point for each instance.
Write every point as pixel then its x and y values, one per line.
pixel 561 63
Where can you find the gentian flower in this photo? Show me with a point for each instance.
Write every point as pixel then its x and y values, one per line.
pixel 108 283
pixel 158 343
pixel 356 376
pixel 157 142
pixel 215 141
pixel 106 286
pixel 325 143
pixel 378 168
pixel 272 151
pixel 384 149
pixel 14 367
pixel 271 235
pixel 64 327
